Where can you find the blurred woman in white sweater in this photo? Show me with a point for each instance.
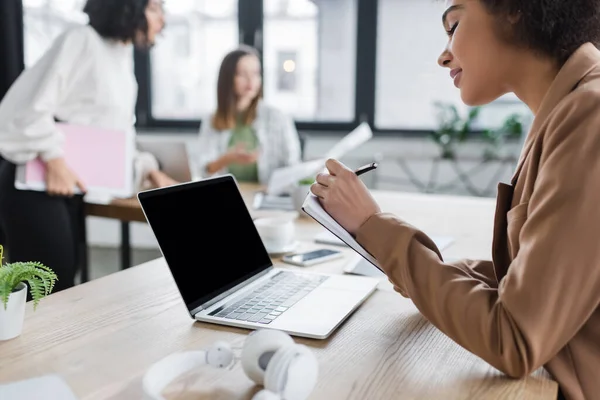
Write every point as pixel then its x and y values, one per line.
pixel 245 136
pixel 85 78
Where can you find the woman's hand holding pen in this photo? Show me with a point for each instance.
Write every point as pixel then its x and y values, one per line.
pixel 61 180
pixel 344 196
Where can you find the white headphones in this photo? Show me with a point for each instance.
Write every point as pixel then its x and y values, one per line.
pixel 270 358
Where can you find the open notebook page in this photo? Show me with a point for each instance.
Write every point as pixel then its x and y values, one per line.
pixel 313 208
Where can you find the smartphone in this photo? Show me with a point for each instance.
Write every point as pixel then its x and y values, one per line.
pixel 312 257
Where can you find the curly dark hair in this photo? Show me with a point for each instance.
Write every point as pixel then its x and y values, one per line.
pixel 555 28
pixel 123 20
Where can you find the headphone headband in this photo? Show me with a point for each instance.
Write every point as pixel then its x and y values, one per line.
pixel 270 358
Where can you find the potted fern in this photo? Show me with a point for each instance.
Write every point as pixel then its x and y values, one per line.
pixel 14 280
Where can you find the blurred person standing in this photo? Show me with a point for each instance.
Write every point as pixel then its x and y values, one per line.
pixel 87 78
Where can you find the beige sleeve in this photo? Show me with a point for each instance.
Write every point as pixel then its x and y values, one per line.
pixel 553 284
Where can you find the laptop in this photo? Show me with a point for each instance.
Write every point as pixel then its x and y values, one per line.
pixel 172 157
pixel 225 275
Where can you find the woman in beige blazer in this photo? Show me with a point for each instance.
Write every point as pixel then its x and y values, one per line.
pixel 537 302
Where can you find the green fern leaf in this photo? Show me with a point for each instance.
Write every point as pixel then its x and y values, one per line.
pixel 36 291
pixel 40 278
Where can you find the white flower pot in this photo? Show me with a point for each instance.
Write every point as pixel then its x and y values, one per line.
pixel 11 318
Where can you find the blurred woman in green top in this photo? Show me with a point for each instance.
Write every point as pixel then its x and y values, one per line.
pixel 245 136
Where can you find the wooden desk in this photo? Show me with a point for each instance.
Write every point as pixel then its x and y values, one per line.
pixel 124 210
pixel 103 335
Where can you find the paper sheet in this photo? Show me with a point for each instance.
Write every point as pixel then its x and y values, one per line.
pixel 359 266
pixel 284 178
pixel 264 201
pixel 351 141
pixel 47 387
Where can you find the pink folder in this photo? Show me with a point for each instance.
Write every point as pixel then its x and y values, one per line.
pixel 102 158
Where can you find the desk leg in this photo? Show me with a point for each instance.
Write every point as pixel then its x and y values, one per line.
pixel 84 254
pixel 125 245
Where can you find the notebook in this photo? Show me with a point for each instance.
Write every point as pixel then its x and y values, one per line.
pixel 313 208
pixel 102 158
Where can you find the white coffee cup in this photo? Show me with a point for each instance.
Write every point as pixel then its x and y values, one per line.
pixel 276 233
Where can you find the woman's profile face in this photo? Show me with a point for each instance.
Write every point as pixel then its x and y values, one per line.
pixel 478 60
pixel 247 80
pixel 156 19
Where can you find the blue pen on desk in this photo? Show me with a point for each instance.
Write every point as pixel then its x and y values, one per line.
pixel 365 168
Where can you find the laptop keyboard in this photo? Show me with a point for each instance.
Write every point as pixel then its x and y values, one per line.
pixel 269 301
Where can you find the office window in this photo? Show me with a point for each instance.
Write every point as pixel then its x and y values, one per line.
pixel 410 39
pixel 286 76
pixel 310 58
pixel 186 59
pixel 44 20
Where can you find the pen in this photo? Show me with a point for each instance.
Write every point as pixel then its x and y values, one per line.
pixel 365 168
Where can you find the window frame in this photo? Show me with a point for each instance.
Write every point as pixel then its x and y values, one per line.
pixel 250 23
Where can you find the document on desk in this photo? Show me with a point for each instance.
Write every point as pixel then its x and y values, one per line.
pixel 264 201
pixel 283 178
pixel 47 387
pixel 313 208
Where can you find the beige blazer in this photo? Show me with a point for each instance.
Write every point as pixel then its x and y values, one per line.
pixel 537 303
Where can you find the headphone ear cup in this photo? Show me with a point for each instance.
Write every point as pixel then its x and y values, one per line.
pixel 260 346
pixel 292 373
pixel 276 373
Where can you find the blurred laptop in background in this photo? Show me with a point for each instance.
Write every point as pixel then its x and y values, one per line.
pixel 172 157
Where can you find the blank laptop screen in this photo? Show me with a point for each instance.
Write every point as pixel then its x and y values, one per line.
pixel 206 235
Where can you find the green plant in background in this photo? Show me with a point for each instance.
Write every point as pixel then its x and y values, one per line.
pixel 306 181
pixel 512 128
pixel 452 127
pixel 40 279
